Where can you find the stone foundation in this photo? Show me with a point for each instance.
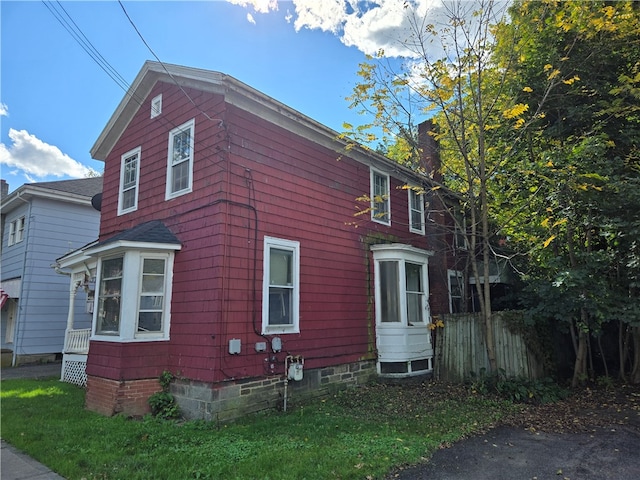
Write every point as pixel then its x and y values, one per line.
pixel 130 397
pixel 230 400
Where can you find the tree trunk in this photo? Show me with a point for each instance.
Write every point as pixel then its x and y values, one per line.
pixel 635 371
pixel 580 367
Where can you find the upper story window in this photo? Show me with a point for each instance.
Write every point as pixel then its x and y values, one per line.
pixel 456 291
pixel 156 106
pixel 401 286
pixel 416 211
pixel 380 198
pixel 133 298
pixel 281 286
pixel 129 174
pixel 180 160
pixel 16 231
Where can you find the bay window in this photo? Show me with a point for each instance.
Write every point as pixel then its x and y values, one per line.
pixel 133 301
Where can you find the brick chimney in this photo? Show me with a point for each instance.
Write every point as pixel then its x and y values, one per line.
pixel 429 150
pixel 4 189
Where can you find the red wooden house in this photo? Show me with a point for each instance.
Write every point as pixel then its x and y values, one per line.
pixel 231 255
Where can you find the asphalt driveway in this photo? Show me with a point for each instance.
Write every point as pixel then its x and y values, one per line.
pixel 510 453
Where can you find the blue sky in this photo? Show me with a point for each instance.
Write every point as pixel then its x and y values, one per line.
pixel 55 99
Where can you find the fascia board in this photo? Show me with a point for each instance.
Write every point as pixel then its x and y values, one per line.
pixel 123 245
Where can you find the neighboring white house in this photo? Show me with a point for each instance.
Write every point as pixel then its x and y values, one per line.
pixel 40 223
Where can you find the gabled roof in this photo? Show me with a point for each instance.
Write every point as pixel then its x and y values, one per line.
pixel 242 96
pixel 78 191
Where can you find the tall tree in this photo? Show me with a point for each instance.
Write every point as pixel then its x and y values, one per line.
pixel 479 118
pixel 579 203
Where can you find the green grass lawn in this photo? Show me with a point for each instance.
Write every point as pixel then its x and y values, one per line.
pixel 358 434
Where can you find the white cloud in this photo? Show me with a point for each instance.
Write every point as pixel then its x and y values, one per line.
pixel 4 110
pixel 37 159
pixel 375 25
pixel 250 19
pixel 259 6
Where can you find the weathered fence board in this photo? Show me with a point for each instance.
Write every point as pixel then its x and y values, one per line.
pixel 461 349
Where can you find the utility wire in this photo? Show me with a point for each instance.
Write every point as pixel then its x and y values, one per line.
pixel 63 17
pixel 163 66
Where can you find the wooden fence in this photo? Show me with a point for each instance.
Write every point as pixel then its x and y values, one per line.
pixel 461 348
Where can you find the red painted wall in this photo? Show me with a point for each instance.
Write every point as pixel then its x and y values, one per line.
pixel 251 178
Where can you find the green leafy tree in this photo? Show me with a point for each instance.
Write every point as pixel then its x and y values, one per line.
pixel 576 202
pixel 479 119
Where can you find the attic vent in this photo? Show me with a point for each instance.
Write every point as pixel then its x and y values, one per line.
pixel 156 106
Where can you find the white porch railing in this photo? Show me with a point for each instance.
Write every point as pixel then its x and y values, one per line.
pixel 77 341
pixel 74 359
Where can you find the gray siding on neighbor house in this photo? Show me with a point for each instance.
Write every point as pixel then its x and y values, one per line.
pixel 13 256
pixel 53 229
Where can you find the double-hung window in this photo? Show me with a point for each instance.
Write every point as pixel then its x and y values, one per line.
pixel 416 210
pixel 110 297
pixel 281 286
pixel 380 198
pixel 180 160
pixel 129 174
pixel 16 231
pixel 402 294
pixel 456 291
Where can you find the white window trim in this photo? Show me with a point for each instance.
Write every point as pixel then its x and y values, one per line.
pixel 420 197
pixel 402 254
pixel 191 126
pixel 156 106
pixel 294 246
pixel 130 297
pixel 16 231
pixel 460 276
pixel 136 151
pixel 374 217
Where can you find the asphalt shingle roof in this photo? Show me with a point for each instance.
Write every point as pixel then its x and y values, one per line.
pixel 81 186
pixel 150 232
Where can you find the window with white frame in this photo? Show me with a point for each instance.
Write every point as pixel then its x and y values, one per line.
pixel 402 292
pixel 456 291
pixel 16 231
pixel 416 210
pixel 129 175
pixel 281 286
pixel 156 106
pixel 180 160
pixel 380 198
pixel 133 301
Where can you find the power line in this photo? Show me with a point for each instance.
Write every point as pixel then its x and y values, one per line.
pixel 81 39
pixel 162 64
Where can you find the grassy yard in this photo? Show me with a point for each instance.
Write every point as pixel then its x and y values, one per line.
pixel 361 433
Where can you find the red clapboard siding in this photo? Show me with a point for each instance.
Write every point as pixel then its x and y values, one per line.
pixel 251 178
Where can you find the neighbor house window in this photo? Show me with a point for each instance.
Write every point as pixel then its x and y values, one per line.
pixel 401 287
pixel 380 195
pixel 134 296
pixel 456 291
pixel 416 210
pixel 16 231
pixel 180 160
pixel 156 106
pixel 129 174
pixel 281 286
